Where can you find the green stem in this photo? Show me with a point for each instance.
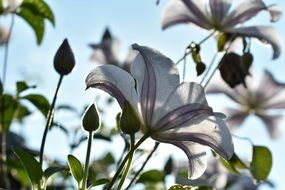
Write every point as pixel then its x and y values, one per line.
pixel 210 67
pixel 129 163
pixel 49 120
pixel 86 166
pixel 3 135
pixel 200 43
pixel 119 170
pixel 142 167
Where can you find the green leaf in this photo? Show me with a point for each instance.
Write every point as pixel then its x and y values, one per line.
pixel 180 187
pixel 39 101
pixel 229 166
pixel 151 176
pixel 75 168
pixel 36 21
pixel 236 162
pixel 31 165
pixel 22 112
pixel 8 107
pixel 261 163
pixel 22 86
pixel 39 7
pixel 1 8
pixel 52 170
pixel 97 182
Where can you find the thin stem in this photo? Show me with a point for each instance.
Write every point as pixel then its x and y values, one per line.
pixel 210 67
pixel 129 163
pixel 6 51
pixel 184 67
pixel 144 164
pixel 49 120
pixel 3 135
pixel 200 43
pixel 125 161
pixel 86 166
pixel 127 145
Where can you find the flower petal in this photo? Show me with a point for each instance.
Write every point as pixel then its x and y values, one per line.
pixel 263 33
pixel 115 81
pixel 245 11
pixel 185 93
pixel 271 91
pixel 235 117
pixel 271 123
pixel 186 101
pixel 218 86
pixel 197 158
pixel 220 9
pixel 185 11
pixel 211 132
pixel 275 12
pixel 156 76
pixel 107 52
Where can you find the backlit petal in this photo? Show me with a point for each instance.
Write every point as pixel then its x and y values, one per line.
pixel 244 11
pixel 197 158
pixel 219 9
pixel 185 11
pixel 184 94
pixel 115 81
pixel 275 12
pixel 272 91
pixel 264 33
pixel 156 77
pixel 235 117
pixel 211 132
pixel 271 123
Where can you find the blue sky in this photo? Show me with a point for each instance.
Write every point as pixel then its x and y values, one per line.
pixel 132 21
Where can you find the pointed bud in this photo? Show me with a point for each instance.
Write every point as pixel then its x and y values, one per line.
pixel 200 68
pixel 130 122
pixel 168 167
pixel 91 120
pixel 64 60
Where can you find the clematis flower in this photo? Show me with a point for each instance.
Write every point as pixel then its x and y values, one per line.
pixel 107 51
pixel 217 16
pixel 257 100
pixel 11 5
pixel 169 112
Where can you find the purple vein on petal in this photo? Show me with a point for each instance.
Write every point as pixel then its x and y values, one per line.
pixel 111 89
pixel 148 91
pixel 181 115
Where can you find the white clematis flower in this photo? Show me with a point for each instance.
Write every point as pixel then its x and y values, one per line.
pixel 170 112
pixel 217 16
pixel 259 100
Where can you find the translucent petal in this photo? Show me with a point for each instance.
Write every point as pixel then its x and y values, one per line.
pixel 156 76
pixel 115 81
pixel 264 33
pixel 186 11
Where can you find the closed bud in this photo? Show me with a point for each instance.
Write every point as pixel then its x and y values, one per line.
pixel 64 60
pixel 90 119
pixel 130 122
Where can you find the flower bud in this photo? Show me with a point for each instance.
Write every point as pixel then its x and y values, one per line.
pixel 130 122
pixel 64 60
pixel 91 119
